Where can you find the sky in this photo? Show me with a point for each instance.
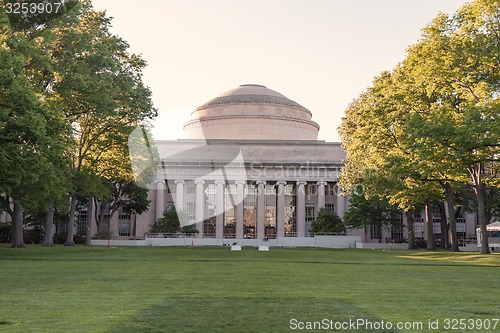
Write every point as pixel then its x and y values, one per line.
pixel 320 53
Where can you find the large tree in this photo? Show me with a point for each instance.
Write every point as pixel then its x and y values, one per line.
pixel 31 129
pixel 328 222
pixel 99 87
pixel 371 211
pixel 434 119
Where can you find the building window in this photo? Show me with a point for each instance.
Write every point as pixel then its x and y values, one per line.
pixel 250 211
pixel 191 189
pixel 81 220
pixel 209 222
pixel 376 232
pixel 104 217
pixel 330 189
pixel 311 189
pixel 124 223
pixel 290 204
pixel 436 224
pixel 169 205
pixel 270 211
pixel 310 217
pixel 330 207
pixel 418 226
pixel 230 211
pixel 397 230
pixel 190 208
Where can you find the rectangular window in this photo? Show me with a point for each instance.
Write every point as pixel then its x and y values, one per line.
pixel 124 228
pixel 81 220
pixel 330 189
pixel 270 211
pixel 190 207
pixel 312 189
pixel 376 232
pixel 290 204
pixel 330 207
pixel 310 217
pixel 397 230
pixel 461 226
pixel 191 189
pixel 209 222
pixel 124 223
pixel 250 211
pixel 230 211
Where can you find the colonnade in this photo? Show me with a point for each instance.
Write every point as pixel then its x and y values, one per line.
pixel 240 191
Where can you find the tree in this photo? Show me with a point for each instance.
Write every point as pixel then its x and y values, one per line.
pixel 328 222
pixel 375 139
pixel 370 211
pixel 170 223
pixel 461 131
pixel 99 87
pixel 434 119
pixel 30 130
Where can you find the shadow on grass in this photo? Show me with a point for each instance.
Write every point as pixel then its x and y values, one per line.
pixel 243 314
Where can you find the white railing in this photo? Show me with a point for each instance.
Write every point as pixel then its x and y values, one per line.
pixel 250 236
pixel 170 235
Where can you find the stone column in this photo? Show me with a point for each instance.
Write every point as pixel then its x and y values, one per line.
pixel 340 203
pixel 219 209
pixel 280 210
pixel 200 206
pixel 261 191
pixel 160 192
pixel 179 195
pixel 240 192
pixel 301 209
pixel 321 194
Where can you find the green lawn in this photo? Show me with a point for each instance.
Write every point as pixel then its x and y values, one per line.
pixel 160 289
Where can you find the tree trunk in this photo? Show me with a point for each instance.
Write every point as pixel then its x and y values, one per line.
pixel 17 226
pixel 88 227
pixel 410 220
pixel 444 228
pixel 450 203
pixel 48 240
pixel 71 222
pixel 481 212
pixel 429 226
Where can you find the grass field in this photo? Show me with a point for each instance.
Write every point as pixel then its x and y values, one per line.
pixel 159 289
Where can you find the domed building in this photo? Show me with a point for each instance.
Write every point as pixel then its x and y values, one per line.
pixel 250 167
pixel 250 170
pixel 251 112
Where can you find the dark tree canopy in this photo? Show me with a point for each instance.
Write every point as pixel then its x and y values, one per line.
pixel 328 222
pixel 170 223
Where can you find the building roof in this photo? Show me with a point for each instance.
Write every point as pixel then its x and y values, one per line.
pixel 252 94
pixel 251 112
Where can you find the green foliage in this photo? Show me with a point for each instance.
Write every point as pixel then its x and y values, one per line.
pixel 371 211
pixel 104 234
pixel 190 229
pixel 434 120
pixel 328 222
pixel 170 223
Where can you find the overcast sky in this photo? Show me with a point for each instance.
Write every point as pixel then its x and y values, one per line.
pixel 319 53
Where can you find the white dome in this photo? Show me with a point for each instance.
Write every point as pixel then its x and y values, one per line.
pixel 251 112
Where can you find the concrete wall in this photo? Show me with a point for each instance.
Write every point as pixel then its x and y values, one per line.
pixel 395 246
pixel 334 242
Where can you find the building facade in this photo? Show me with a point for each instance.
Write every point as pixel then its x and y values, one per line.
pixel 251 166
